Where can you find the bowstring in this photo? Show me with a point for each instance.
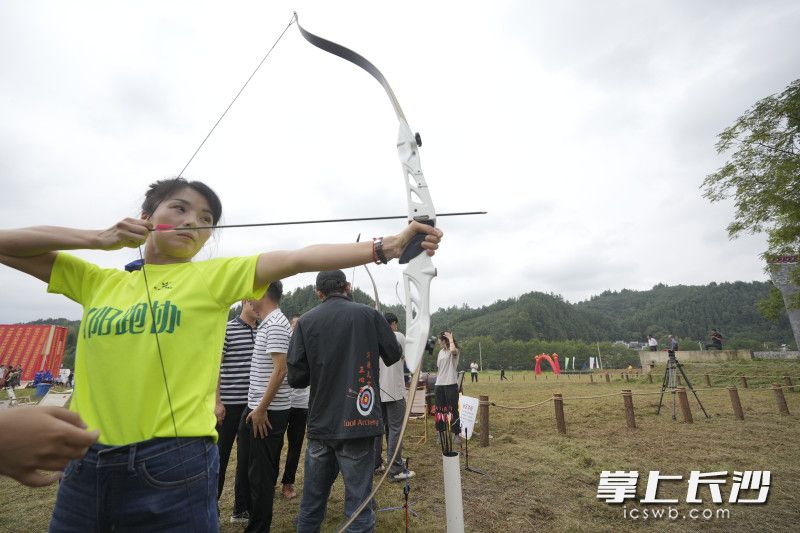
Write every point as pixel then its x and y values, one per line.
pixel 166 384
pixel 263 59
pixel 144 269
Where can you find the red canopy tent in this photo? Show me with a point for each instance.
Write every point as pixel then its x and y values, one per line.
pixel 33 347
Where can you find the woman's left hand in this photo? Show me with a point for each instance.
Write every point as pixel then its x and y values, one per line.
pixel 394 246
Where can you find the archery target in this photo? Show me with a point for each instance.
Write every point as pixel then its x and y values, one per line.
pixel 365 400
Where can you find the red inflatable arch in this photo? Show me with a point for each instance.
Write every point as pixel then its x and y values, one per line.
pixel 552 360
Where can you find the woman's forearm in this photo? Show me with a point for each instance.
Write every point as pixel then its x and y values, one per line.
pixel 314 258
pixel 29 242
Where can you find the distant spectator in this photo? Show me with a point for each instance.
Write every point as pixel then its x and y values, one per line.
pixel 652 343
pixel 13 380
pixel 716 340
pixel 473 370
pixel 447 381
pixel 503 374
pixel 673 345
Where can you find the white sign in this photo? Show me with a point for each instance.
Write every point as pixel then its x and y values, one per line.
pixel 468 409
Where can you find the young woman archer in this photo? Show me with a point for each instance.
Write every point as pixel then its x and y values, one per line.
pixel 148 352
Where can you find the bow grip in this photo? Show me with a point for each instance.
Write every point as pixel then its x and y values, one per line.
pixel 414 247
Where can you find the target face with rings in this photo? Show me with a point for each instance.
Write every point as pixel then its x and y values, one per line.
pixel 365 400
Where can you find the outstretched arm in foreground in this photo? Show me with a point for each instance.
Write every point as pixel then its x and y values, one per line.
pixel 41 438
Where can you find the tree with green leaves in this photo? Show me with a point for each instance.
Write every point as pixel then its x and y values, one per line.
pixel 763 172
pixel 763 177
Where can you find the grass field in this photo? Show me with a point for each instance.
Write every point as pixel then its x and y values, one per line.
pixel 537 479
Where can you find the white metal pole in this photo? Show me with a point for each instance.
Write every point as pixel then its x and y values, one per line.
pixel 452 493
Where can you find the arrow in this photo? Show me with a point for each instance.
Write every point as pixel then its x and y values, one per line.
pixel 167 227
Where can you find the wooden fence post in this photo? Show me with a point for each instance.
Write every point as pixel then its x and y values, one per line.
pixel 591 378
pixel 685 409
pixel 608 378
pixel 737 405
pixel 788 382
pixel 743 379
pixel 627 398
pixel 708 381
pixel 781 399
pixel 558 402
pixel 483 414
pixel 650 377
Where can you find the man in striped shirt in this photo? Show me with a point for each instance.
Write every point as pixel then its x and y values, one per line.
pixel 267 412
pixel 234 381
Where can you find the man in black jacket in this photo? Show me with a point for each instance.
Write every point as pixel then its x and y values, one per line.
pixel 335 350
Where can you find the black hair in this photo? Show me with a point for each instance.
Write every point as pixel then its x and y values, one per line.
pixel 166 188
pixel 275 291
pixel 391 317
pixel 332 286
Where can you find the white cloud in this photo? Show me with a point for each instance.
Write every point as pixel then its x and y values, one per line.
pixel 585 129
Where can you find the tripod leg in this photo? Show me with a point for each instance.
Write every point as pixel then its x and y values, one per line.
pixel 663 388
pixel 688 384
pixel 673 385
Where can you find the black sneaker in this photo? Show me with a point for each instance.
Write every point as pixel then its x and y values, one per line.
pixel 240 518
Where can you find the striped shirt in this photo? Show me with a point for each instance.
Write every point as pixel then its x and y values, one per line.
pixel 237 350
pixel 272 337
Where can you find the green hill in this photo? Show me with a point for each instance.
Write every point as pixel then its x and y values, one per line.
pixel 690 311
pixel 509 331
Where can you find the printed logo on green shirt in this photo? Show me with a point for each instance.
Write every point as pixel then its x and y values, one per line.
pixel 108 320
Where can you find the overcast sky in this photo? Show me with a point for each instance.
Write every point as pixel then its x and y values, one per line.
pixel 584 128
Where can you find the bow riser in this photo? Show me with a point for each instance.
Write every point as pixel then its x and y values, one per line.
pixel 420 205
pixel 417 278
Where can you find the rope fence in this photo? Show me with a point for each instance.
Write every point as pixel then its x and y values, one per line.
pixel 627 395
pixel 628 376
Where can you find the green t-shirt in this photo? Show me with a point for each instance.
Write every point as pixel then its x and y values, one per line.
pixel 119 383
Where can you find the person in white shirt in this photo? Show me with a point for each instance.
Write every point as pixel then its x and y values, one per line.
pixel 267 413
pixel 473 370
pixel 393 404
pixel 447 382
pixel 652 343
pixel 295 433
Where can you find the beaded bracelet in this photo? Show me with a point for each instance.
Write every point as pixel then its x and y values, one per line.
pixel 377 251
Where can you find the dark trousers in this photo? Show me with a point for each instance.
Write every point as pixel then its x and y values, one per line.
pixel 262 468
pixel 295 433
pixel 228 431
pixel 447 401
pixel 474 376
pixel 324 460
pixel 163 484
